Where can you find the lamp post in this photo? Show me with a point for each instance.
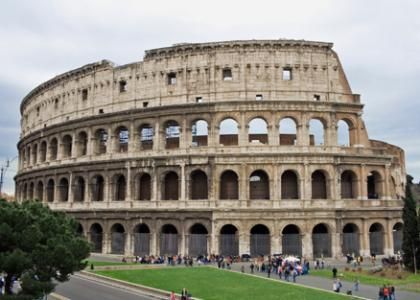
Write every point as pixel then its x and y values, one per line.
pixel 3 171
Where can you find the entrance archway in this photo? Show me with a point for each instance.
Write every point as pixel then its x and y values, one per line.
pixel 229 240
pixel 260 240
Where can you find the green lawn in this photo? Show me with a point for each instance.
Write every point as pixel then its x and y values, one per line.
pixel 211 284
pixel 409 281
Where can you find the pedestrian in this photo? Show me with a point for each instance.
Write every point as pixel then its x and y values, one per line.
pixel 1 285
pixel 356 284
pixel 279 271
pixel 334 271
pixel 184 294
pixel 294 274
pixel 172 297
pixel 335 285
pixel 252 268
pixel 339 285
pixel 381 293
pixel 268 271
pixel 392 293
pixel 386 292
pixel 243 269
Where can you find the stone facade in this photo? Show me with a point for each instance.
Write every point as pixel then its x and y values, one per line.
pixel 214 148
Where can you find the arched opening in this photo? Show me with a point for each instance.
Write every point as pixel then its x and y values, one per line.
pixel 316 133
pixel 170 188
pixel 229 185
pixel 67 146
pixel 98 184
pixel 374 185
pixel 25 192
pixel 43 151
pixel 198 183
pixel 168 240
pixel 199 131
pixel 120 187
pixel 101 140
pixel 229 240
pixel 393 188
pixel 343 134
pixel 291 240
pixel 50 190
pixel 63 189
pixel 287 132
pixel 260 240
pixel 228 132
pixel 122 137
pixel 172 134
pixel 319 185
pixel 321 241
pixel 40 191
pixel 258 133
pixel 146 133
pixel 96 237
pixel 82 141
pixel 141 240
pixel 35 154
pixel 348 185
pixel 79 189
pixel 198 240
pixel 117 239
pixel 351 243
pixel 79 230
pixel 289 185
pixel 53 149
pixel 28 155
pixel 144 191
pixel 31 191
pixel 397 235
pixel 376 239
pixel 259 186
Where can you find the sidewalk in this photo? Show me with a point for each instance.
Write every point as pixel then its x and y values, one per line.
pixel 365 291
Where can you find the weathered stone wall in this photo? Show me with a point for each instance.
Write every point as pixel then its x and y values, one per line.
pixel 83 148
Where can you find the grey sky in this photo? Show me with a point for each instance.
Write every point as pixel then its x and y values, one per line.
pixel 378 43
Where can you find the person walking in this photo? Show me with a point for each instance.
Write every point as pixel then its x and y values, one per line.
pixel 356 284
pixel 172 297
pixel 334 271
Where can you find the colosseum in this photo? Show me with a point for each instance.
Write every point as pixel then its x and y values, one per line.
pixel 238 147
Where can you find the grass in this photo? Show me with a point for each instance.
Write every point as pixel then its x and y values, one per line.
pixel 212 284
pixel 408 281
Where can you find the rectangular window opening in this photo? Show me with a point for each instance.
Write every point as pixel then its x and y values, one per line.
pixel 198 99
pixel 287 74
pixel 227 74
pixel 101 111
pixel 56 103
pixel 171 78
pixel 123 86
pixel 145 104
pixel 84 94
pixel 258 97
pixel 317 97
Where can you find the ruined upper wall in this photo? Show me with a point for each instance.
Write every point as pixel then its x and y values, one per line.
pixel 256 68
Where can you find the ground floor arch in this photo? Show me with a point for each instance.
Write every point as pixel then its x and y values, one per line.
pixel 397 235
pixel 291 240
pixel 168 240
pixel 96 237
pixel 351 243
pixel 197 241
pixel 229 240
pixel 117 239
pixel 141 236
pixel 376 239
pixel 321 241
pixel 260 240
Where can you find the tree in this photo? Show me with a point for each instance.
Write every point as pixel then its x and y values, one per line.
pixel 411 232
pixel 38 245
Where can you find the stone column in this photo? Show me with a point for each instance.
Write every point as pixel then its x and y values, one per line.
pixel 157 135
pixel 70 195
pixel 153 244
pixel 183 185
pixel 128 189
pixel 335 245
pixel 389 239
pixel 244 246
pixel 155 193
pixel 386 188
pixel 362 192
pixel 128 249
pixel 365 246
pixel 185 134
pixel 243 185
pixel 243 136
pixel 107 189
pixel 307 250
pixel 106 243
pixel 276 246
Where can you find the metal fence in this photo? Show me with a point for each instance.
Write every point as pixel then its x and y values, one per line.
pixel 376 241
pixel 397 235
pixel 260 244
pixel 351 243
pixel 229 244
pixel 292 244
pixel 96 240
pixel 168 244
pixel 197 244
pixel 141 243
pixel 117 242
pixel 321 244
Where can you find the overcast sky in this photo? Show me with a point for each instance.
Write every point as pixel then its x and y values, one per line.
pixel 378 43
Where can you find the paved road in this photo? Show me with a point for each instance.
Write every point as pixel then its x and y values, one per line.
pixel 80 288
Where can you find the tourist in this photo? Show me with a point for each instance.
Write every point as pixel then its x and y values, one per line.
pixel 392 293
pixel 251 266
pixel 386 292
pixel 334 271
pixel 339 285
pixel 242 269
pixel 356 284
pixel 184 294
pixel 172 297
